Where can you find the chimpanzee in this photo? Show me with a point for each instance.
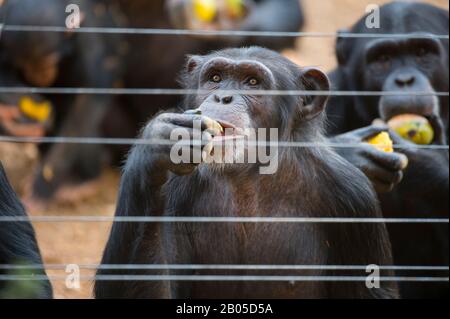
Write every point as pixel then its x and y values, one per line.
pixel 28 115
pixel 420 188
pixel 309 182
pixel 64 59
pixel 18 246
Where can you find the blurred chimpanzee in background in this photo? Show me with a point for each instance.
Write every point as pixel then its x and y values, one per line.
pixel 70 59
pixel 63 59
pixel 408 65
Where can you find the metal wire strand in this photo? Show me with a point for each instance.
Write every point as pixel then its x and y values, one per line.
pixel 217 267
pixel 161 91
pixel 270 220
pixel 204 278
pixel 219 33
pixel 132 141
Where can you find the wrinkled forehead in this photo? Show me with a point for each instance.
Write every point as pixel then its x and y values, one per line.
pixel 241 65
pixel 415 39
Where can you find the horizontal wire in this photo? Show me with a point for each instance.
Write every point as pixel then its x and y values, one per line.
pixel 161 91
pixel 218 267
pixel 154 219
pixel 133 141
pixel 221 33
pixel 222 278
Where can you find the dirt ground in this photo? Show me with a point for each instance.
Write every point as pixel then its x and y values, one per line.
pixel 82 243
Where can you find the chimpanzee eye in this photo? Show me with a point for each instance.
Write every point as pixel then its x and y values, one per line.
pixel 384 58
pixel 216 78
pixel 253 81
pixel 421 52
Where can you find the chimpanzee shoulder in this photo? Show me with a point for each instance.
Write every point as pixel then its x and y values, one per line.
pixel 17 239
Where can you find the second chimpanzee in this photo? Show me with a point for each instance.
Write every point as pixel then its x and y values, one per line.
pixel 309 182
pixel 408 65
pixel 64 59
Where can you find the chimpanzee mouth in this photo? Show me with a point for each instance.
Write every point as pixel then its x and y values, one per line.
pixel 434 122
pixel 230 132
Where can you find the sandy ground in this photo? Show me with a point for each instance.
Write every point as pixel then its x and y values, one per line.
pixel 82 243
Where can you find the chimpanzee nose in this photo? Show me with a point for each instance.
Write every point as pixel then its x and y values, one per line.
pixel 405 79
pixel 223 99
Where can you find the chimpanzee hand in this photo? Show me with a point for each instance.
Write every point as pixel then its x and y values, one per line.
pixel 164 125
pixel 385 170
pixel 425 164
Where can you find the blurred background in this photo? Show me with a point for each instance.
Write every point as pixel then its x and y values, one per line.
pixel 82 243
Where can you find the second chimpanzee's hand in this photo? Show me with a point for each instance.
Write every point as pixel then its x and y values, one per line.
pixel 385 170
pixel 161 129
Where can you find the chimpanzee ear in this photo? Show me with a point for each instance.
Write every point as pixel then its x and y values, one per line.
pixel 342 47
pixel 193 62
pixel 314 80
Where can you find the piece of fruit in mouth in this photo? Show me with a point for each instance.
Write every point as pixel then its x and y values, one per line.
pixel 382 142
pixel 224 128
pixel 225 136
pixel 412 127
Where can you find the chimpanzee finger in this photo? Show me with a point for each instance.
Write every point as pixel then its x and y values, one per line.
pixel 184 169
pixel 391 161
pixel 398 140
pixel 188 120
pixel 381 187
pixel 381 174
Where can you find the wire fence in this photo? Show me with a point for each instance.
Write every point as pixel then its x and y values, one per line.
pixel 155 219
pixel 225 278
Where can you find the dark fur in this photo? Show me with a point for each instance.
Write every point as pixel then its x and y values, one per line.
pixel 424 189
pixel 310 182
pixel 18 242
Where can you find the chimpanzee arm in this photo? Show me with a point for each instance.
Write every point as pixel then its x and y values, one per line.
pixel 133 243
pixel 18 245
pixel 274 15
pixel 145 173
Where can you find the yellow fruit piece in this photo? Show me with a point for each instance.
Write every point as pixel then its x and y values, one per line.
pixel 413 128
pixel 382 142
pixel 38 111
pixel 235 8
pixel 205 10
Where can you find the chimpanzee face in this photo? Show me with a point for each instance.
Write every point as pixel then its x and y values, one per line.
pixel 42 71
pixel 229 84
pixel 405 60
pixel 407 66
pixel 221 77
pixel 230 87
pixel 410 65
